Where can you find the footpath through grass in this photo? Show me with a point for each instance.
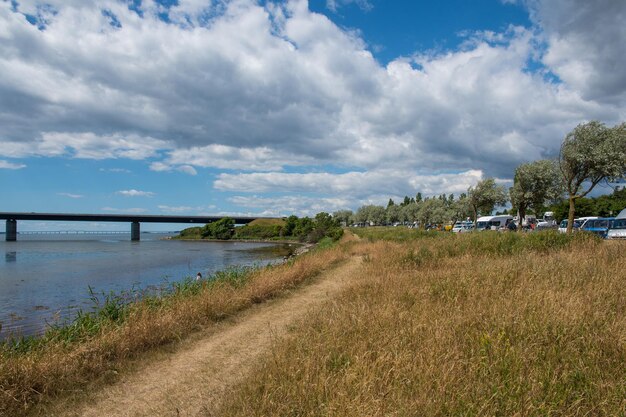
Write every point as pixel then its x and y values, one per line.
pixel 97 345
pixel 470 325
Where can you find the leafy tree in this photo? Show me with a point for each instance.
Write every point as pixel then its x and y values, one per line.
pixel 290 225
pixel 418 197
pixel 390 203
pixel 222 229
pixel 370 213
pixel 406 201
pixel 461 209
pixel 324 225
pixel 485 196
pixel 377 214
pixel 304 226
pixel 433 211
pixel 535 184
pixel 343 216
pixel 393 213
pixel 589 154
pixel 411 212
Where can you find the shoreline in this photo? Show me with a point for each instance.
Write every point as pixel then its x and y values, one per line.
pixel 294 242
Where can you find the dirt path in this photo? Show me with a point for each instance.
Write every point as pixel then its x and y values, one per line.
pixel 191 381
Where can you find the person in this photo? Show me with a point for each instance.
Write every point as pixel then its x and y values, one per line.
pixel 199 276
pixel 511 226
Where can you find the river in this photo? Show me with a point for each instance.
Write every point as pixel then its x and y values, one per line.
pixel 45 279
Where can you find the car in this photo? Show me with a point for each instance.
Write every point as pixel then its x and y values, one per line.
pixel 463 227
pixel 598 226
pixel 618 227
pixel 577 223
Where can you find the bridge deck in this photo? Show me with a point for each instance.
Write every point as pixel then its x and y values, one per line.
pixel 146 218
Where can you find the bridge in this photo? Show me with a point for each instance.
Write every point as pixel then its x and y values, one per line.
pixel 134 220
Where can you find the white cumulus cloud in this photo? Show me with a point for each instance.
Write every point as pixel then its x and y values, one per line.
pixel 10 165
pixel 135 193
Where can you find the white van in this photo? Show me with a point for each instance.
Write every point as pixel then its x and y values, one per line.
pixel 617 230
pixel 577 223
pixel 493 222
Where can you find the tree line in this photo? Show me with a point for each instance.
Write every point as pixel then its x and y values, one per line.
pixel 303 229
pixel 590 154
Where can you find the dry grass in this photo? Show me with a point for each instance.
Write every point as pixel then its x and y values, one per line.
pixel 52 369
pixel 267 222
pixel 469 326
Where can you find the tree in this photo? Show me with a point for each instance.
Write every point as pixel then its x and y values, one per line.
pixel 343 216
pixel 371 213
pixel 394 213
pixel 485 196
pixel 290 225
pixel 461 208
pixel 433 211
pixel 534 185
pixel 411 212
pixel 222 229
pixel 390 203
pixel 589 154
pixel 377 215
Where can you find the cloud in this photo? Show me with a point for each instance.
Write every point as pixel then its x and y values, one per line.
pixel 187 169
pixel 356 185
pixel 134 210
pixel 269 90
pixel 135 193
pixel 85 146
pixel 334 5
pixel 230 157
pixel 166 167
pixel 182 209
pixel 10 165
pixel 585 45
pixel 296 204
pixel 70 195
pixel 116 170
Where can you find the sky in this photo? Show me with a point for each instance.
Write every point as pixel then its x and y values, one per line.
pixel 272 108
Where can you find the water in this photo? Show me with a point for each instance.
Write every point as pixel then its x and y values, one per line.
pixel 45 279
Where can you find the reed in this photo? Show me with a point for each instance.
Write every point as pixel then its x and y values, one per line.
pixel 98 344
pixel 470 325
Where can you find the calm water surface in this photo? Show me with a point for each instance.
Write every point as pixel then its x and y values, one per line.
pixel 46 278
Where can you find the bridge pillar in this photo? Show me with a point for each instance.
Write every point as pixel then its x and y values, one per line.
pixel 134 231
pixel 11 230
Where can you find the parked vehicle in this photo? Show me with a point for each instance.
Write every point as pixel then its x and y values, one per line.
pixel 617 230
pixel 577 223
pixel 463 227
pixel 547 221
pixel 493 222
pixel 599 226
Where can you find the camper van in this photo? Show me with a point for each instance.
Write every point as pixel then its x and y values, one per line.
pixel 493 222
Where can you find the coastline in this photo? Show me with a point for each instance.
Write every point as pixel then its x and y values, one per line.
pixel 301 247
pixel 291 242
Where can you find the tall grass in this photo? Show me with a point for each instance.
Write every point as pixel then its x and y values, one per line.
pixel 99 343
pixel 472 325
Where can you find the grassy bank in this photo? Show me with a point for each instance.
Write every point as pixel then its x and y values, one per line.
pixel 477 324
pixel 97 345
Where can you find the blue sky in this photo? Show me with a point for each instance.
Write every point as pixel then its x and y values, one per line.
pixel 290 107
